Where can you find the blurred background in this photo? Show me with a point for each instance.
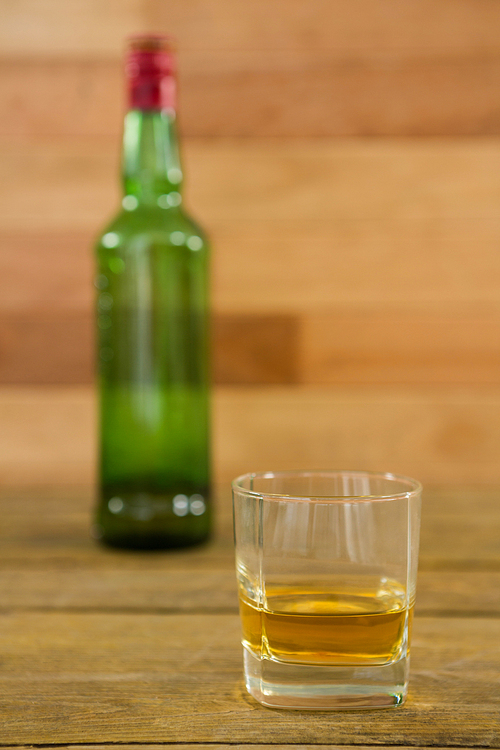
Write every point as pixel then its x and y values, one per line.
pixel 344 156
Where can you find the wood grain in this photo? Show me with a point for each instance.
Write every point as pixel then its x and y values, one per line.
pixel 255 349
pixel 61 97
pixel 49 528
pixel 101 646
pixel 306 266
pixel 295 267
pixel 328 68
pixel 140 678
pixel 73 183
pixel 108 588
pixel 372 345
pixel 341 95
pixel 401 345
pixel 47 433
pixel 49 348
pixel 46 271
pixel 331 179
pixel 76 27
pixel 220 746
pixel 440 434
pixel 373 301
pixel 290 93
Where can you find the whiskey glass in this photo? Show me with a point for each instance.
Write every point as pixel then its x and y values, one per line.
pixel 326 567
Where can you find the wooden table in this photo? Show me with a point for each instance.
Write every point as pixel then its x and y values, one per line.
pixel 101 646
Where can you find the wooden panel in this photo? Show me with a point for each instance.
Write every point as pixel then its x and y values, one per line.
pixel 459 558
pixel 48 348
pixel 401 345
pixel 46 271
pixel 61 97
pixel 297 267
pixel 255 349
pixel 373 345
pixel 263 94
pixel 171 591
pixel 219 746
pixel 57 347
pixel 457 26
pixel 328 96
pixel 332 179
pixel 317 226
pixel 303 266
pixel 73 27
pixel 58 184
pixel 72 184
pixel 285 68
pixel 48 434
pixel 438 434
pixel 156 678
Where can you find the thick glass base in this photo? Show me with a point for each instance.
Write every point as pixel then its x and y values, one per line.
pixel 319 687
pixel 152 520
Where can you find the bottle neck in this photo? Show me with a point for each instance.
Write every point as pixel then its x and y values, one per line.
pixel 151 166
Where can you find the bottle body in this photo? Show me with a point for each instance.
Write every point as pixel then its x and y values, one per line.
pixel 153 369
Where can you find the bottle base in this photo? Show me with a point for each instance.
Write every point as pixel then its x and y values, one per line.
pixel 296 686
pixel 149 543
pixel 152 520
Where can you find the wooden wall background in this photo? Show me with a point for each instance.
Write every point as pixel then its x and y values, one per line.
pixel 345 157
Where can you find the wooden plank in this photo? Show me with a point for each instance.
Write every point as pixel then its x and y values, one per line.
pixel 344 96
pixel 57 347
pixel 73 183
pixel 460 532
pixel 331 179
pixel 400 345
pixel 76 27
pixel 306 267
pixel 461 27
pixel 68 185
pixel 255 349
pixel 154 678
pixel 219 746
pixel 46 349
pixel 47 433
pixel 286 94
pixel 328 68
pixel 61 97
pixel 439 434
pixel 46 271
pixel 298 267
pixel 370 345
pixel 109 588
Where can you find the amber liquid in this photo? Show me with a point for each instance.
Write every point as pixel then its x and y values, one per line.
pixel 327 627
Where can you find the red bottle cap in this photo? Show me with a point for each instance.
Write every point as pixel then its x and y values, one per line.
pixel 150 70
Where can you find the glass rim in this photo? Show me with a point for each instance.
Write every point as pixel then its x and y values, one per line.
pixel 415 487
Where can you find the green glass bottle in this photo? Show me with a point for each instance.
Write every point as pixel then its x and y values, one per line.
pixel 152 318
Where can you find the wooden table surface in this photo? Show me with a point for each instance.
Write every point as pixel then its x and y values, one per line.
pixel 101 646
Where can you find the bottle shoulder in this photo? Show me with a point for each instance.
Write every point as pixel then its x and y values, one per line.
pixel 173 226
